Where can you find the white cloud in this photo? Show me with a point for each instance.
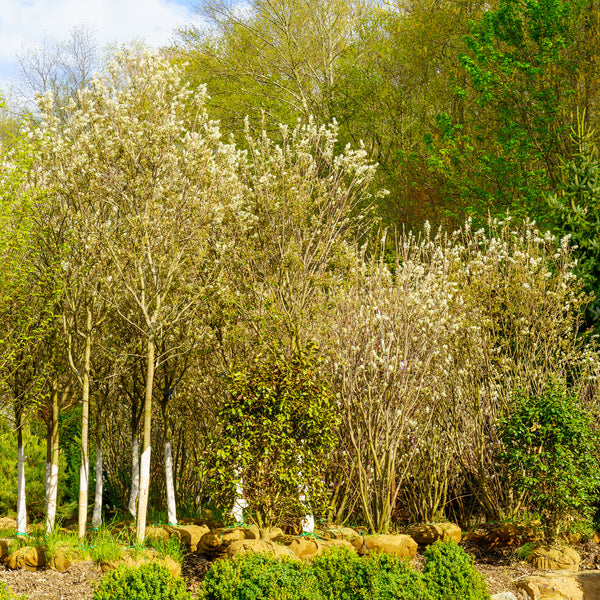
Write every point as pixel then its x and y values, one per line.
pixel 25 23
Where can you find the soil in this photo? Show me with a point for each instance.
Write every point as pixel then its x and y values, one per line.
pixel 498 566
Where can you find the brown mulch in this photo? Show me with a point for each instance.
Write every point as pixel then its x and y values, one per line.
pixel 499 567
pixel 74 584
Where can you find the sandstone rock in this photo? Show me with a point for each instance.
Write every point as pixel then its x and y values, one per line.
pixel 215 542
pixel 545 557
pixel 596 538
pixel 244 547
pixel 500 535
pixel 190 535
pixel 149 557
pixel 430 533
pixel 60 563
pixel 28 558
pixel 340 533
pixel 4 550
pixel 551 588
pixel 307 547
pixel 160 533
pixel 504 596
pixel 402 546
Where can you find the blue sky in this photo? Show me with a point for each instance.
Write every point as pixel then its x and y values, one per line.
pixel 26 23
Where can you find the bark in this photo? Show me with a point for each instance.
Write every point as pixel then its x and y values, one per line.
pixel 84 470
pixel 135 475
pixel 97 516
pixel 171 502
pixel 21 500
pixel 52 489
pixel 146 450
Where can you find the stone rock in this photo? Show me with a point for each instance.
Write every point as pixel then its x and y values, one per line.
pixel 307 547
pixel 551 588
pixel 500 535
pixel 130 561
pixel 402 546
pixel 596 538
pixel 504 596
pixel 160 533
pixel 430 533
pixel 28 558
pixel 340 533
pixel 244 547
pixel 60 563
pixel 190 535
pixel 545 557
pixel 215 542
pixel 4 550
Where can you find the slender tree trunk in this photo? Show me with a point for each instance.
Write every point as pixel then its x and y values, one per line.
pixel 135 473
pixel 169 479
pixel 21 500
pixel 84 470
pixel 97 516
pixel 146 450
pixel 52 491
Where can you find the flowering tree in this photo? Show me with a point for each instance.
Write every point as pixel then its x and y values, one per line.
pixel 141 166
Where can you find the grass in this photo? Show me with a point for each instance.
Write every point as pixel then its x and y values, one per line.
pixel 105 547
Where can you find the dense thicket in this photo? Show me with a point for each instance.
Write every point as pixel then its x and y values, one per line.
pixel 228 290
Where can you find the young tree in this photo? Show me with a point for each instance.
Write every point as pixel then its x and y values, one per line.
pixel 142 152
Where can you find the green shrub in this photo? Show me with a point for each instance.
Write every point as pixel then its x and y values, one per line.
pixel 150 581
pixel 449 573
pixel 551 450
pixel 343 575
pixel 260 577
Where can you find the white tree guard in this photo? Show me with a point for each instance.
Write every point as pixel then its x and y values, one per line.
pixel 135 476
pixel 21 500
pixel 52 491
pixel 171 503
pixel 97 516
pixel 239 504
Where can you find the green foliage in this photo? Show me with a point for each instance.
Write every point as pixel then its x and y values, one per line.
pixel 277 429
pixel 551 450
pixel 576 211
pixel 260 577
pixel 35 448
pixel 141 583
pixel 449 573
pixel 503 154
pixel 106 547
pixel 171 547
pixel 343 575
pixel 7 594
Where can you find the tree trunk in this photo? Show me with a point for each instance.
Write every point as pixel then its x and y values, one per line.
pixel 21 500
pixel 84 470
pixel 97 516
pixel 171 503
pixel 146 450
pixel 135 474
pixel 52 491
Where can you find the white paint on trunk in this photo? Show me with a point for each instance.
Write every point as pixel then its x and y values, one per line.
pixel 52 498
pixel 97 516
pixel 308 520
pixel 143 495
pixel 135 476
pixel 84 483
pixel 239 504
pixel 171 503
pixel 48 470
pixel 21 500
